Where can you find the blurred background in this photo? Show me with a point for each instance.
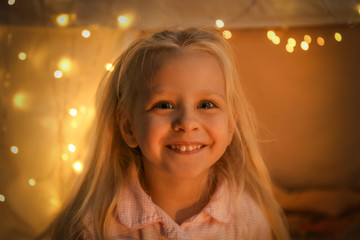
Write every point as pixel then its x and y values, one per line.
pixel 299 60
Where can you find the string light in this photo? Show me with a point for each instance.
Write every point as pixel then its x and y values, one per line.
pixel 62 20
pixel 22 56
pixel 85 33
pixel 307 39
pixel 124 21
pixel 11 2
pixel 73 112
pixel 20 100
pixel 219 23
pixel 65 157
pixel 109 67
pixel 292 42
pixel 71 147
pixel 338 37
pixel 270 35
pixel 304 45
pixel 2 198
pixel 227 34
pixel 289 48
pixel 65 64
pixel 276 40
pixel 32 182
pixel 14 149
pixel 320 41
pixel 77 166
pixel 58 74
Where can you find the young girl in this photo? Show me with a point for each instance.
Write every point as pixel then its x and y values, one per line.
pixel 175 154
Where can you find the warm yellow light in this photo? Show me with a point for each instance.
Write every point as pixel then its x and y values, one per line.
pixel 58 74
pixel 124 21
pixel 276 40
pixel 65 64
pixel 20 100
pixel 289 48
pixel 83 109
pixel 304 45
pixel 358 8
pixel 71 147
pixel 338 37
pixel 65 157
pixel 74 124
pixel 270 35
pixel 55 202
pixel 320 41
pixel 219 23
pixel 11 2
pixel 73 112
pixel 62 19
pixel 14 149
pixel 77 166
pixel 109 67
pixel 292 42
pixel 22 56
pixel 2 198
pixel 307 39
pixel 227 34
pixel 32 182
pixel 85 33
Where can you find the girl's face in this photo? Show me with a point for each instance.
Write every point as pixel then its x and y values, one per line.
pixel 180 120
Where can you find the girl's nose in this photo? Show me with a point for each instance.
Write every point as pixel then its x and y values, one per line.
pixel 185 121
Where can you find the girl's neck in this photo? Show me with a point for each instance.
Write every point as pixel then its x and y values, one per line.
pixel 179 198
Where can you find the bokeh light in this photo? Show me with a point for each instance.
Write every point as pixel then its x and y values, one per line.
pixel 124 20
pixel 338 37
pixel 307 39
pixel 219 23
pixel 77 166
pixel 11 2
pixel 65 64
pixel 2 198
pixel 73 112
pixel 22 56
pixel 320 41
pixel 289 48
pixel 14 149
pixel 276 40
pixel 304 45
pixel 65 157
pixel 32 182
pixel 292 42
pixel 20 100
pixel 109 67
pixel 74 124
pixel 62 20
pixel 85 33
pixel 227 34
pixel 71 147
pixel 58 74
pixel 270 35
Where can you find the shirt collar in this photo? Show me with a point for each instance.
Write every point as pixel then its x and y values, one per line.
pixel 135 208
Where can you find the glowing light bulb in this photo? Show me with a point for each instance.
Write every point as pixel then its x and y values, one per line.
pixel 22 56
pixel 292 42
pixel 73 112
pixel 122 19
pixel 85 33
pixel 227 34
pixel 20 100
pixel 304 45
pixel 270 35
pixel 65 64
pixel 338 37
pixel 71 147
pixel 109 67
pixel 276 40
pixel 58 74
pixel 320 41
pixel 77 166
pixel 307 39
pixel 11 2
pixel 62 20
pixel 65 157
pixel 14 149
pixel 219 23
pixel 2 198
pixel 289 48
pixel 32 182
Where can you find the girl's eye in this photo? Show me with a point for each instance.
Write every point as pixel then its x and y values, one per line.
pixel 164 105
pixel 206 105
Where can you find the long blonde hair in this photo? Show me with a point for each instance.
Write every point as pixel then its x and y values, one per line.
pixel 111 158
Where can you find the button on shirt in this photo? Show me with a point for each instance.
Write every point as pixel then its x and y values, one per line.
pixel 137 217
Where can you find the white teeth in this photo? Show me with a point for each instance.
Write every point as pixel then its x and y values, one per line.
pixel 185 148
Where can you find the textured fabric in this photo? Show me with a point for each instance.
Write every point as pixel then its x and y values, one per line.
pixel 137 217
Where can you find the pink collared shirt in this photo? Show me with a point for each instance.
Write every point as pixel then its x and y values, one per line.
pixel 137 217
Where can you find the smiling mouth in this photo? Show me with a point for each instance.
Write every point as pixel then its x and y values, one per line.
pixel 186 148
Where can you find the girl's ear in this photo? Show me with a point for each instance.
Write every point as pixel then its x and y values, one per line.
pixel 127 131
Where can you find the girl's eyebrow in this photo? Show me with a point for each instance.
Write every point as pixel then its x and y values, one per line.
pixel 156 92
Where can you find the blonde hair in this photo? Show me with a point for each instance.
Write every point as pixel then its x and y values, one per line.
pixel 111 158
